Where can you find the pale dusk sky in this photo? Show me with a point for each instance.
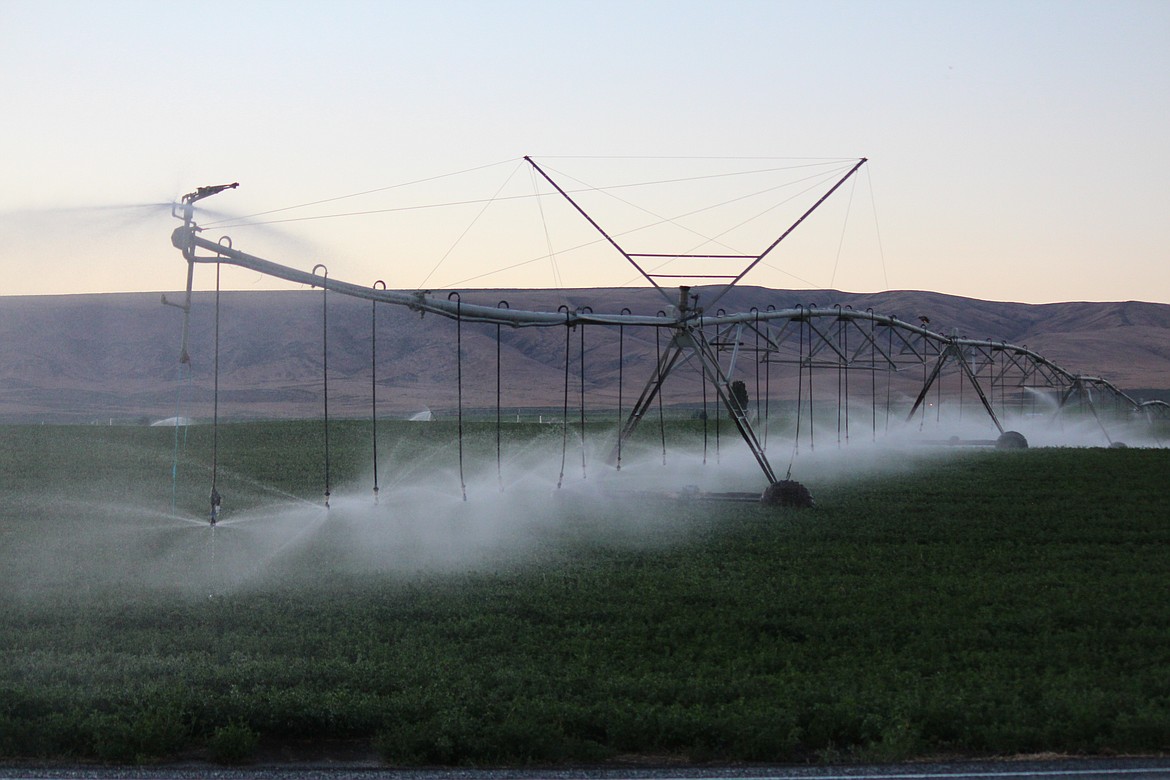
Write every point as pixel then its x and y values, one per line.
pixel 1017 150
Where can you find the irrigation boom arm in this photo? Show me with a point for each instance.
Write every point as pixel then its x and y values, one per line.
pixel 686 323
pixel 187 239
pixel 685 320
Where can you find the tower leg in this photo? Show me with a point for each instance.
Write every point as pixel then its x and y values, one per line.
pixel 691 340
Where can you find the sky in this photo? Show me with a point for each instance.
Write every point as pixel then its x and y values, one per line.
pixel 1017 151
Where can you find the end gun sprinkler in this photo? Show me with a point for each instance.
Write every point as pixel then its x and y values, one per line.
pixel 183 239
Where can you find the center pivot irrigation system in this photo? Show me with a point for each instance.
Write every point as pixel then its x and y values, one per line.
pixel 838 341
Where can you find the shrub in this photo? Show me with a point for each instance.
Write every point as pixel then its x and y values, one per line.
pixel 234 743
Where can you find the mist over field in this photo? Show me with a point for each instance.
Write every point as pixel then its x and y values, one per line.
pixel 939 598
pixel 96 509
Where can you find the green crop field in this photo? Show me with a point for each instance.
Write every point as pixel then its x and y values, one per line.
pixel 936 602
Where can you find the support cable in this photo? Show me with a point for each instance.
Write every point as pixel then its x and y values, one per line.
pixel 499 464
pixel 877 230
pixel 840 372
pixel 1034 393
pixel 799 394
pixel 961 383
pixel 565 404
pixel 556 273
pixel 1003 382
pixel 811 417
pixel 467 229
pixel 845 359
pixel 459 384
pixel 872 375
pixel 718 406
pixel 703 365
pixel 621 378
pixel 785 234
pixel 179 381
pixel 352 195
pixel 768 382
pixel 499 459
pixel 658 381
pixel 756 327
pixel 581 332
pixel 938 404
pixel 844 227
pixel 889 376
pixel 925 374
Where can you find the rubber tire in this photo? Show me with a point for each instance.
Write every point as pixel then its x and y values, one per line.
pixel 788 493
pixel 1011 440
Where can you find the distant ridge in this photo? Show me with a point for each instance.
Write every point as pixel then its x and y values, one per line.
pixel 114 357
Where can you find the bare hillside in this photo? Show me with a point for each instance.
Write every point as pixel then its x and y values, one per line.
pixel 115 357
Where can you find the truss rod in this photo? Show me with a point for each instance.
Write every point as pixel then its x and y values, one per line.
pixel 786 233
pixel 598 228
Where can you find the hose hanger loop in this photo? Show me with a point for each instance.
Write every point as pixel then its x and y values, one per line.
pixel 455 296
pixel 565 404
pixel 325 369
pixel 581 358
pixel 499 395
pixel 621 370
pixel 374 380
pixel 658 377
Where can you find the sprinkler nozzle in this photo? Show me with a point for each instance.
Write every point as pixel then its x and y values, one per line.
pixel 216 502
pixel 205 192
